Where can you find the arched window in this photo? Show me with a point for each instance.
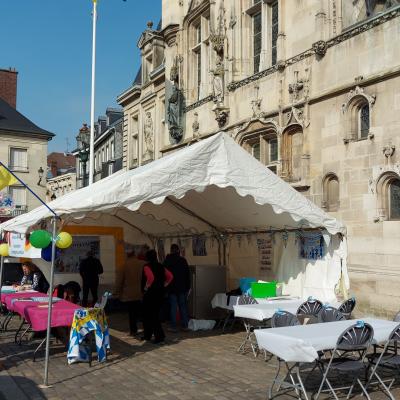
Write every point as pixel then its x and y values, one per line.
pixel 393 198
pixel 263 145
pixel 363 121
pixel 357 112
pixel 331 192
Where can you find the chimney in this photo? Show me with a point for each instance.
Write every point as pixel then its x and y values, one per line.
pixel 8 86
pixel 53 168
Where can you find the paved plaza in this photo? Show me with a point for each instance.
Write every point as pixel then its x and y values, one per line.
pixel 190 366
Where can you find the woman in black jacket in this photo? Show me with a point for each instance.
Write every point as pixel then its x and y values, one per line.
pixel 154 280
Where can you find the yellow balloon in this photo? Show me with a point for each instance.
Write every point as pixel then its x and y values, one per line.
pixel 64 240
pixel 4 249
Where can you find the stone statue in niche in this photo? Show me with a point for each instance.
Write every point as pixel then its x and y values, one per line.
pixel 173 112
pixel 218 82
pixel 148 135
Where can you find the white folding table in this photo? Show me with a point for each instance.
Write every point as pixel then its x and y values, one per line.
pixel 301 344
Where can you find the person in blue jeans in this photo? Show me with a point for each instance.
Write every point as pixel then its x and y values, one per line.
pixel 179 288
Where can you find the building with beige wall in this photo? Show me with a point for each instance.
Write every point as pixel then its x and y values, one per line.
pixel 23 149
pixel 310 88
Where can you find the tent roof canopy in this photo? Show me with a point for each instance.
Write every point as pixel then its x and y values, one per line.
pixel 211 186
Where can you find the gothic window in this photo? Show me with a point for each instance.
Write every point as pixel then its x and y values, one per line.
pixel 274 31
pixel 257 36
pixel 357 111
pixel 264 147
pixel 394 199
pixel 364 121
pixel 331 192
pixel 200 50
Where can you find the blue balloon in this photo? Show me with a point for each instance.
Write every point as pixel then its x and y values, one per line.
pixel 46 253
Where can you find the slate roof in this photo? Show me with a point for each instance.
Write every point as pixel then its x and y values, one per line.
pixel 12 120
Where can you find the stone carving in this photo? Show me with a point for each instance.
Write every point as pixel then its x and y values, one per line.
pixel 217 38
pixel 196 124
pixel 174 112
pixel 148 136
pixel 348 34
pixel 389 150
pixel 256 105
pixel 320 48
pixel 218 83
pixel 299 89
pixel 174 73
pixel 296 116
pixel 221 115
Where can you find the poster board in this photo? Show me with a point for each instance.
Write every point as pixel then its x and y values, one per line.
pixel 19 246
pixel 70 258
pixel 265 253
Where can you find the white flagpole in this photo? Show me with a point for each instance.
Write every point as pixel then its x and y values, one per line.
pixel 50 304
pixel 91 149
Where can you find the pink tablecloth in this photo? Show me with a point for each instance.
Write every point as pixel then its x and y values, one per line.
pixel 36 313
pixel 7 298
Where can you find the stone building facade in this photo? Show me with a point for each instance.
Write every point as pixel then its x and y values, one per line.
pixel 311 89
pixel 23 150
pixel 108 148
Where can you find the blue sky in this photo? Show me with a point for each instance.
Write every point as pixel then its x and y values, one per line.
pixel 49 42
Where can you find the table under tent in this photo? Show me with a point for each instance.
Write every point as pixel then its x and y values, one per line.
pixel 224 209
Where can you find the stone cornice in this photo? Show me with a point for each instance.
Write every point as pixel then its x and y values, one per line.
pixel 346 35
pixel 198 103
pixel 169 33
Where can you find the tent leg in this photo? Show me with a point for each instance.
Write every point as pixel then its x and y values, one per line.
pixel 53 249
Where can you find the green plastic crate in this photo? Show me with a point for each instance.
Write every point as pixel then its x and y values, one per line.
pixel 262 290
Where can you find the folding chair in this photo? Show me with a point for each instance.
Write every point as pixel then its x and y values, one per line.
pixel 330 314
pixel 103 301
pixel 249 326
pixel 348 359
pixel 284 318
pixel 310 309
pixel 347 307
pixel 388 360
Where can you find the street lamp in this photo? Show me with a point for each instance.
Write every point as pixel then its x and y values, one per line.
pixel 40 173
pixel 83 141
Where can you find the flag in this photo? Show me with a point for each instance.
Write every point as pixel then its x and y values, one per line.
pixel 6 178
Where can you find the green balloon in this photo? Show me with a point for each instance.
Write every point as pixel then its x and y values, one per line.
pixel 40 239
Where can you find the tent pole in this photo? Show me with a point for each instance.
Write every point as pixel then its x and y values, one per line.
pixel 50 304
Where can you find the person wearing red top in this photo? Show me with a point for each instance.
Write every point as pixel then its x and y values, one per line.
pixel 155 279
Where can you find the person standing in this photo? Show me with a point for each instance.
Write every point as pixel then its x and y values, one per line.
pixel 90 268
pixel 179 289
pixel 129 286
pixel 155 279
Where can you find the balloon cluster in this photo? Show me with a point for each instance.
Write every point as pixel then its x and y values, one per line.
pixel 41 239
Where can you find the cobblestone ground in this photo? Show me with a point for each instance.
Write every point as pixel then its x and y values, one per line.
pixel 189 366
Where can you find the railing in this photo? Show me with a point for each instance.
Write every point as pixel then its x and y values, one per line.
pixel 11 213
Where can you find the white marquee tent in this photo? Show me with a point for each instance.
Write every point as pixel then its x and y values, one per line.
pixel 214 188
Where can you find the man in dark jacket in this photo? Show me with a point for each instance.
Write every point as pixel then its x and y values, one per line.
pixel 90 268
pixel 179 288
